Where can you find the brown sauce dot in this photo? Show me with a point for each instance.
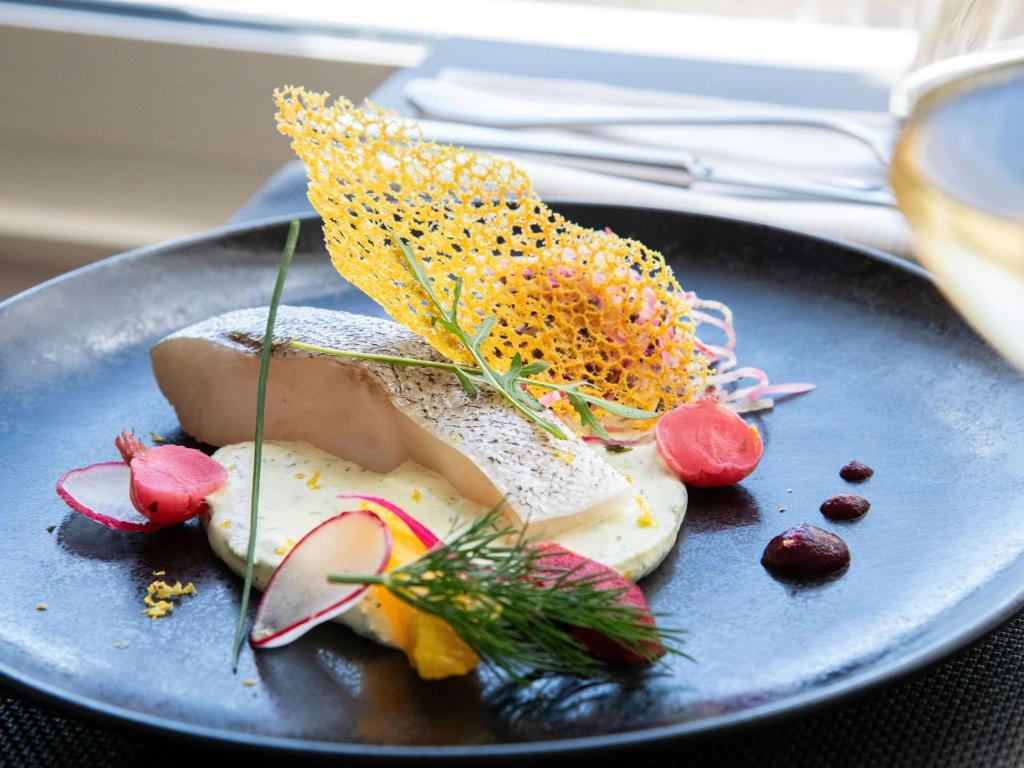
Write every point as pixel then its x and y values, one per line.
pixel 856 472
pixel 845 506
pixel 805 551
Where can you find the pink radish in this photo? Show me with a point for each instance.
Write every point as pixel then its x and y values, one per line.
pixel 420 531
pixel 298 596
pixel 558 562
pixel 708 445
pixel 153 488
pixel 170 483
pixel 100 492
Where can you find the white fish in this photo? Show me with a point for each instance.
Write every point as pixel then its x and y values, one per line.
pixel 378 415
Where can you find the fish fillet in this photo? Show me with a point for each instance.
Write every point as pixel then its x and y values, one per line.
pixel 379 415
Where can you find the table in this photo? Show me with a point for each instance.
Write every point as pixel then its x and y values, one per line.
pixel 966 711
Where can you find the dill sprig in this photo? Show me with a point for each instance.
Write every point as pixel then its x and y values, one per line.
pixel 257 459
pixel 495 591
pixel 508 383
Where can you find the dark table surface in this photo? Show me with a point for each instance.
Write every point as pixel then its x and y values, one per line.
pixel 966 711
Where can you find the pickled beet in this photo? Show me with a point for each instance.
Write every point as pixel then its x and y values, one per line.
pixel 845 506
pixel 805 551
pixel 856 472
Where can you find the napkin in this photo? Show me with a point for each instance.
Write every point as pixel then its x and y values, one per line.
pixel 780 151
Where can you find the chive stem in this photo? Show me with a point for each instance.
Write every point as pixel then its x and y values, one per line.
pixel 261 402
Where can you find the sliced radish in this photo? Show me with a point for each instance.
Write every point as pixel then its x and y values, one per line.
pixel 556 561
pixel 299 596
pixel 100 492
pixel 706 444
pixel 420 531
pixel 153 489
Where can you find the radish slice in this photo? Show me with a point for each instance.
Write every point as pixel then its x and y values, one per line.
pixel 100 492
pixel 420 531
pixel 299 596
pixel 556 562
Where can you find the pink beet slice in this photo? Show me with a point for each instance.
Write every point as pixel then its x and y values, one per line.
pixel 557 560
pixel 100 492
pixel 707 444
pixel 298 596
pixel 419 530
pixel 169 483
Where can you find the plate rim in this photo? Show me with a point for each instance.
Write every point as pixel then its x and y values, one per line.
pixel 830 694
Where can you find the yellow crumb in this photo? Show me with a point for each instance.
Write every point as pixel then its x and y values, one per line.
pixel 314 481
pixel 629 478
pixel 41 607
pixel 566 457
pixel 159 609
pixel 160 596
pixel 232 468
pixel 226 524
pixel 645 519
pixel 249 682
pixel 285 548
pixel 416 495
pixel 628 575
pixel 159 573
pixel 157 438
pixel 300 475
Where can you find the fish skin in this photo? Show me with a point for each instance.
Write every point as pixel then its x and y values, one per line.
pixel 543 479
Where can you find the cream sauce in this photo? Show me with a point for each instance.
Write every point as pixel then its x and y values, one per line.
pixel 300 485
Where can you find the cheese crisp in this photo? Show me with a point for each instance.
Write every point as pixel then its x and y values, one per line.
pixel 595 306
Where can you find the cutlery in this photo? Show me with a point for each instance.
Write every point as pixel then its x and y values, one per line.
pixel 693 169
pixel 448 101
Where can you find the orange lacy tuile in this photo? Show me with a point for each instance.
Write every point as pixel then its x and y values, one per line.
pixel 595 306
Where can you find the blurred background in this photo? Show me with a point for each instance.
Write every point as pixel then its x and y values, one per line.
pixel 128 123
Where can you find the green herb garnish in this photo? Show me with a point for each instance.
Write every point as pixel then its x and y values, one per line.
pixel 509 383
pixel 506 383
pixel 494 590
pixel 261 400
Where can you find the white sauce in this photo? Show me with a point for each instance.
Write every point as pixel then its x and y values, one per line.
pixel 300 485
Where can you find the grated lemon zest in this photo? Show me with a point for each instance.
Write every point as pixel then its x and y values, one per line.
pixel 160 596
pixel 645 519
pixel 285 548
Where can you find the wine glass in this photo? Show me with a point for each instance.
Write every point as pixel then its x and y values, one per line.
pixel 958 168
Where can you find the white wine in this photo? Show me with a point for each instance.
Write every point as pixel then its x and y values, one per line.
pixel 958 174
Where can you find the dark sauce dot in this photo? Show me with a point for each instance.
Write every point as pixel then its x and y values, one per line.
pixel 805 551
pixel 845 506
pixel 856 472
